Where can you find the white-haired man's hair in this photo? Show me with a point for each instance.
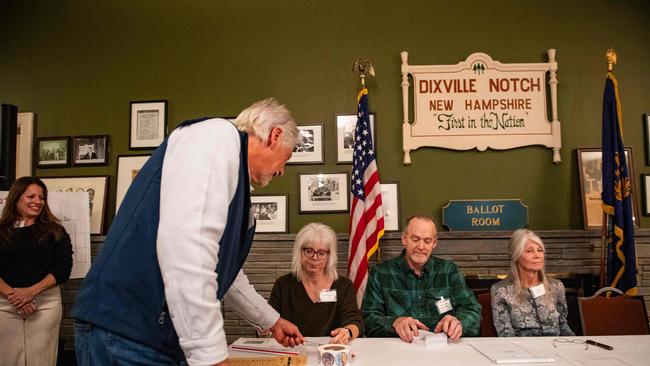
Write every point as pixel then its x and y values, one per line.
pixel 265 115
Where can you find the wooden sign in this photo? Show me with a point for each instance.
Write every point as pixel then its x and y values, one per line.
pixel 485 215
pixel 480 103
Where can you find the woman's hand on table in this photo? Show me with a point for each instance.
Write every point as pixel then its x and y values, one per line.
pixel 340 336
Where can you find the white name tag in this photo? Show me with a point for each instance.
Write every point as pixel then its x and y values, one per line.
pixel 327 296
pixel 443 305
pixel 537 291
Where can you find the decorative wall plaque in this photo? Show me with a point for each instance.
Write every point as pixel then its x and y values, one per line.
pixel 485 215
pixel 480 103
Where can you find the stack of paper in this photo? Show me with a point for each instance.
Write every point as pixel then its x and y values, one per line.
pixel 267 346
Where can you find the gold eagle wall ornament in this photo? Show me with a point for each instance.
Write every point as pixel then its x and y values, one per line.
pixel 363 66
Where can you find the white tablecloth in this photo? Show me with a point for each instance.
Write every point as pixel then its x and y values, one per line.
pixel 628 350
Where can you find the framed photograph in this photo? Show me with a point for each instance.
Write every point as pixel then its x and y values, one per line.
pixel 591 185
pixel 390 204
pixel 310 148
pixel 271 214
pixel 646 129
pixel 52 152
pixel 148 124
pixel 645 182
pixel 345 125
pixel 324 192
pixel 128 167
pixel 25 144
pixel 90 150
pixel 96 187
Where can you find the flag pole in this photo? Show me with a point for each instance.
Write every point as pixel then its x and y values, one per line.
pixel 610 56
pixel 363 66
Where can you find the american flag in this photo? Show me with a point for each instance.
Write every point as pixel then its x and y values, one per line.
pixel 366 214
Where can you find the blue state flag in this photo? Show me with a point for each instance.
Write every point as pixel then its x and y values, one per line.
pixel 617 195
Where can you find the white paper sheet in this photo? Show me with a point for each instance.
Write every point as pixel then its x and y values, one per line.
pixel 508 353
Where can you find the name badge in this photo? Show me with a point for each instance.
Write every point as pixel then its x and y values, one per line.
pixel 327 296
pixel 443 305
pixel 537 291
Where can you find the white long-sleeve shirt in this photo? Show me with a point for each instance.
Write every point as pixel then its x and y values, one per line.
pixel 199 178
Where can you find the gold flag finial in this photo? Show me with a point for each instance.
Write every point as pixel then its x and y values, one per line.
pixel 363 66
pixel 611 58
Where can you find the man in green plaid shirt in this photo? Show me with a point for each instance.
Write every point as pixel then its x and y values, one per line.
pixel 417 291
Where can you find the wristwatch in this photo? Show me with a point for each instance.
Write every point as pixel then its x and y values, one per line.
pixel 349 332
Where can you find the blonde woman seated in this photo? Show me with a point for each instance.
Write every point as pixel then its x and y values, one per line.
pixel 313 296
pixel 528 303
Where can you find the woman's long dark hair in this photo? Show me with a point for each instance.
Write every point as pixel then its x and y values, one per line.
pixel 46 223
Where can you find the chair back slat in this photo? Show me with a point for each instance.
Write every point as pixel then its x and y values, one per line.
pixel 487 324
pixel 618 315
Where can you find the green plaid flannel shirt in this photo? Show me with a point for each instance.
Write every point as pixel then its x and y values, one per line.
pixel 394 290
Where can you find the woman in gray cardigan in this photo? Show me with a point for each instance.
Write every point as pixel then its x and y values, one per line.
pixel 528 303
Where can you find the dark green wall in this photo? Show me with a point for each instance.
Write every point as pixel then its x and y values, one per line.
pixel 77 64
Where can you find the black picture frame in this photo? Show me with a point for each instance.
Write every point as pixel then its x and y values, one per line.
pixel 590 176
pixel 311 148
pixel 324 192
pixel 271 212
pixel 646 130
pixel 52 152
pixel 345 125
pixel 391 206
pixel 645 185
pixel 147 123
pixel 90 150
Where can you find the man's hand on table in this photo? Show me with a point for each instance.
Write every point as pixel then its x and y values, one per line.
pixel 286 333
pixel 450 326
pixel 407 328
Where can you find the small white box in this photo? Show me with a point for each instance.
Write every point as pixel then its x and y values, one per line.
pixel 431 340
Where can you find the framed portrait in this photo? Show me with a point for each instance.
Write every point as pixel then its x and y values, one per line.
pixel 324 192
pixel 128 167
pixel 590 162
pixel 645 183
pixel 148 126
pixel 90 150
pixel 25 144
pixel 271 214
pixel 310 148
pixel 52 152
pixel 390 204
pixel 646 129
pixel 345 125
pixel 96 186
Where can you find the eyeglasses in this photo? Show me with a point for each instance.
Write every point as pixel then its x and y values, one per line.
pixel 566 340
pixel 310 253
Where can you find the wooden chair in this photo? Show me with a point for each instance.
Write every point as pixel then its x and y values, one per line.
pixel 619 315
pixel 487 324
